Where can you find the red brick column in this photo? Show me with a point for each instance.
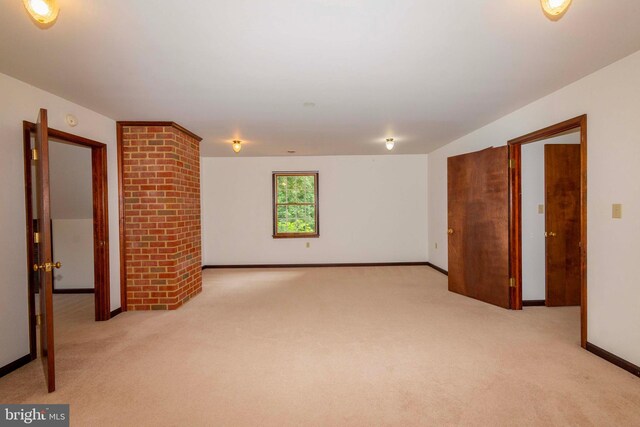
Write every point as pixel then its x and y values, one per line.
pixel 161 193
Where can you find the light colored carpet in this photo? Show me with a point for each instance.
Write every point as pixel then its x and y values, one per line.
pixel 328 346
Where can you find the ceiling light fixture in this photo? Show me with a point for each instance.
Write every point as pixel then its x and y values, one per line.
pixel 43 11
pixel 389 144
pixel 554 9
pixel 237 145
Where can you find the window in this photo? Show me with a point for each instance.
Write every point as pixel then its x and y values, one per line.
pixel 295 204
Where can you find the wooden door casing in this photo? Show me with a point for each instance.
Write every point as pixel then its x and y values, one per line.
pixel 580 123
pixel 100 225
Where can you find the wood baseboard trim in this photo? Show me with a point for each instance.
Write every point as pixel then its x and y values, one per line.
pixel 10 367
pixel 115 312
pixel 441 270
pixel 74 291
pixel 364 264
pixel 610 357
pixel 533 302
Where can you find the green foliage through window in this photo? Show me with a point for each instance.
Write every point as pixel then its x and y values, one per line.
pixel 296 203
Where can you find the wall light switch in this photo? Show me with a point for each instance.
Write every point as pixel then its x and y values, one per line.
pixel 436 245
pixel 616 211
pixel 540 209
pixel 308 244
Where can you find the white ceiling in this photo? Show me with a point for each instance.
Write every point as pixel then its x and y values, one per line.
pixel 425 72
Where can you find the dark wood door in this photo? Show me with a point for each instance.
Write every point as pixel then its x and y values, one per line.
pixel 478 204
pixel 562 223
pixel 44 262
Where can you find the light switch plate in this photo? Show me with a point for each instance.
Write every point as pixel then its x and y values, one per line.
pixel 616 210
pixel 540 209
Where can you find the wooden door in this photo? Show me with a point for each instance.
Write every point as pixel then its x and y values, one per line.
pixel 478 204
pixel 44 263
pixel 562 223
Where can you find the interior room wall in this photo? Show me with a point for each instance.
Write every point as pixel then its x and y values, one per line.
pixel 162 215
pixel 20 101
pixel 610 98
pixel 372 209
pixel 533 222
pixel 73 245
pixel 71 194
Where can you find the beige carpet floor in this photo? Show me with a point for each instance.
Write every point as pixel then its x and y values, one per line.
pixel 328 347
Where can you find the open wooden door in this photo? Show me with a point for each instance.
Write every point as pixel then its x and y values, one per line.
pixel 44 264
pixel 478 204
pixel 562 223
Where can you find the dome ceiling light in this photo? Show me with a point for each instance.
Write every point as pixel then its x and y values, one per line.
pixel 389 144
pixel 42 11
pixel 237 145
pixel 555 9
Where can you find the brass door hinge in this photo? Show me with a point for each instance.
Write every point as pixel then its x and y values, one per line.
pixel 34 154
pixel 38 319
pixel 512 163
pixel 512 282
pixel 36 237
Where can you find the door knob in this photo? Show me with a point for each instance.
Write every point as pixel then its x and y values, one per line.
pixel 47 266
pixel 450 231
pixel 550 234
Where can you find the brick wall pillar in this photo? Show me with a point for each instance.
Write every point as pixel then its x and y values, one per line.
pixel 161 191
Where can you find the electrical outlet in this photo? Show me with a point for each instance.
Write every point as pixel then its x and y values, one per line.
pixel 616 211
pixel 436 245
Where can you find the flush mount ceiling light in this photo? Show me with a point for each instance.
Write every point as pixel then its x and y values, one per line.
pixel 389 144
pixel 237 145
pixel 555 9
pixel 43 11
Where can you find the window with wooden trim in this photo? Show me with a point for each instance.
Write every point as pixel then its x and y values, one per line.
pixel 295 204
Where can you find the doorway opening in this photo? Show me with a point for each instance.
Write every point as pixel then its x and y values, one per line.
pixel 78 224
pixel 561 226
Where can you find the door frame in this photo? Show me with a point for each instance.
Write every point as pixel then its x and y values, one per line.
pixel 100 222
pixel 515 211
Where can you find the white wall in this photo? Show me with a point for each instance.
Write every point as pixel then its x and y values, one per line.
pixel 72 214
pixel 533 240
pixel 533 222
pixel 73 244
pixel 611 98
pixel 20 101
pixel 71 184
pixel 372 209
